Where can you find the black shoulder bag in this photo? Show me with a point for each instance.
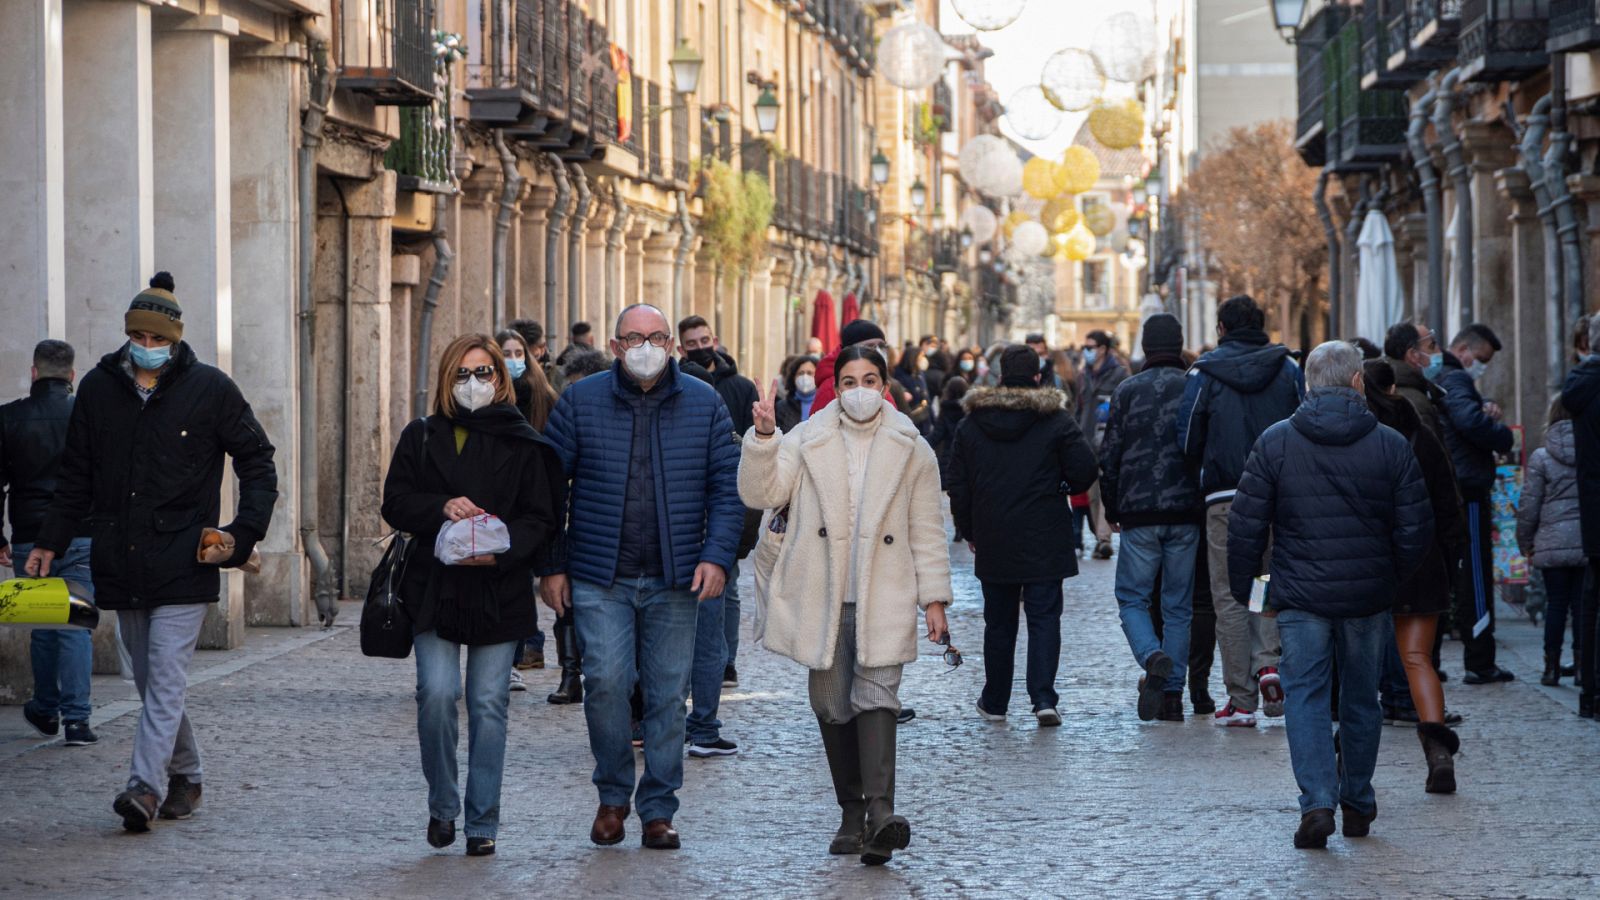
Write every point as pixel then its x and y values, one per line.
pixel 385 624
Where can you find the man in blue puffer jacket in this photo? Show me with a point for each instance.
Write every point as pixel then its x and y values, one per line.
pixel 1233 393
pixel 652 529
pixel 1342 501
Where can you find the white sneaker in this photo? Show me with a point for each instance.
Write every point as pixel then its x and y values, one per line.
pixel 1048 717
pixel 987 716
pixel 1271 692
pixel 517 684
pixel 1234 717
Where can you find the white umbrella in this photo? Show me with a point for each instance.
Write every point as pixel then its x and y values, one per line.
pixel 1379 302
pixel 1452 284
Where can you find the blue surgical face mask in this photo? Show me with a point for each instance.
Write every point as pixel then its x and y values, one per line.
pixel 516 367
pixel 1434 367
pixel 966 365
pixel 1477 369
pixel 1090 355
pixel 149 358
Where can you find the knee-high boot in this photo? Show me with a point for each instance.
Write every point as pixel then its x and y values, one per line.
pixel 844 763
pixel 570 690
pixel 1439 744
pixel 886 832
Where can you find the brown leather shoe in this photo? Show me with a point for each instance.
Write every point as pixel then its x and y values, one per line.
pixel 607 829
pixel 658 835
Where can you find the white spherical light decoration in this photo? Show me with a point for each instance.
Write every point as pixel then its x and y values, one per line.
pixel 1125 47
pixel 988 15
pixel 1031 114
pixel 911 55
pixel 980 220
pixel 1030 239
pixel 989 166
pixel 1072 80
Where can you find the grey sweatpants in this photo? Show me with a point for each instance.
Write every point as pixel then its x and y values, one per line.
pixel 1248 641
pixel 161 642
pixel 846 689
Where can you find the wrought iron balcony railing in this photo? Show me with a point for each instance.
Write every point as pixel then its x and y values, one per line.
pixel 946 250
pixel 1378 45
pixel 1311 84
pixel 1574 25
pixel 653 150
pixel 1434 24
pixel 1364 127
pixel 386 50
pixel 680 139
pixel 421 156
pixel 1503 39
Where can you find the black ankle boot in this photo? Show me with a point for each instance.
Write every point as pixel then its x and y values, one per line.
pixel 1440 745
pixel 570 690
pixel 1552 670
pixel 1199 695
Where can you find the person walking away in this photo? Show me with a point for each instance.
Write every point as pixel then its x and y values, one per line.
pixel 33 435
pixel 581 338
pixel 581 366
pixel 1152 495
pixel 1474 434
pixel 934 369
pixel 1017 456
pixel 1425 595
pixel 1232 395
pixel 146 406
pixel 651 533
pixel 799 392
pixel 863 549
pixel 951 413
pixel 1580 394
pixel 475 455
pixel 1342 503
pixel 534 399
pixel 1102 373
pixel 1550 535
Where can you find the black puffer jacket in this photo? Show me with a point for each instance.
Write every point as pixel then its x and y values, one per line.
pixel 33 433
pixel 1473 437
pixel 147 477
pixel 1018 455
pixel 1233 394
pixel 1345 506
pixel 1427 591
pixel 1144 477
pixel 738 393
pixel 1580 394
pixel 1096 384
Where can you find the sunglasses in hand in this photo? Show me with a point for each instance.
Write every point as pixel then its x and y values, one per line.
pixel 952 656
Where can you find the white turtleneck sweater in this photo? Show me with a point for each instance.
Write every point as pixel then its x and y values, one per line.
pixel 858 437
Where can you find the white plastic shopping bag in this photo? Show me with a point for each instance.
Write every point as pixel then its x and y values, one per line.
pixel 475 536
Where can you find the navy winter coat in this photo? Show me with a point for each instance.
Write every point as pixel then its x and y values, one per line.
pixel 1232 395
pixel 696 464
pixel 1473 437
pixel 1345 506
pixel 1580 394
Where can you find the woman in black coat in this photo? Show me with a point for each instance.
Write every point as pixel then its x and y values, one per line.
pixel 475 455
pixel 1426 594
pixel 799 392
pixel 907 376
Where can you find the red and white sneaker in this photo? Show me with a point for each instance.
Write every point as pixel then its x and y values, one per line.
pixel 1233 717
pixel 1271 692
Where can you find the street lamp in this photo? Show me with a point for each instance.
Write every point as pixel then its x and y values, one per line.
pixel 880 168
pixel 984 256
pixel 685 65
pixel 767 111
pixel 1286 16
pixel 1152 185
pixel 919 193
pixel 966 237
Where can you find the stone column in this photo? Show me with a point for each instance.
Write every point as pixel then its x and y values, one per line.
pixel 109 168
pixel 776 335
pixel 657 286
pixel 1529 340
pixel 32 198
pixel 1415 228
pixel 1489 149
pixel 405 295
pixel 764 354
pixel 265 80
pixel 594 261
pixel 633 285
pixel 369 371
pixel 473 267
pixel 615 264
pixel 535 222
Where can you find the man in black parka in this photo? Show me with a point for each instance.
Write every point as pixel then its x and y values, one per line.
pixel 1581 395
pixel 1018 455
pixel 143 469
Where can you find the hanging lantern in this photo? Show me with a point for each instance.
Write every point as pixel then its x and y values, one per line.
pixel 911 55
pixel 1080 243
pixel 685 65
pixel 1072 80
pixel 990 166
pixel 1059 215
pixel 1078 170
pixel 1014 221
pixel 880 168
pixel 988 15
pixel 1099 219
pixel 767 111
pixel 1125 47
pixel 1031 114
pixel 1039 178
pixel 980 220
pixel 1030 238
pixel 1117 124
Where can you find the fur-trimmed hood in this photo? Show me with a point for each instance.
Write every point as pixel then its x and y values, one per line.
pixel 1006 413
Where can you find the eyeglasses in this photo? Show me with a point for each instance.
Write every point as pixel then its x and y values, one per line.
pixel 482 373
pixel 635 339
pixel 952 656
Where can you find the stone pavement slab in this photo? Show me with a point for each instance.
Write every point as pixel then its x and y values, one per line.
pixel 313 788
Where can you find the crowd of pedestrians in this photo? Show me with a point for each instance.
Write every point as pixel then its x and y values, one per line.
pixel 1322 522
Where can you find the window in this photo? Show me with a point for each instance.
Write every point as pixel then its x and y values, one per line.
pixel 1096 291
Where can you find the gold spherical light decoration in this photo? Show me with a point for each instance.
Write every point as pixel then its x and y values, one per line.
pixel 1080 243
pixel 1059 215
pixel 1078 170
pixel 1117 124
pixel 1039 178
pixel 1099 219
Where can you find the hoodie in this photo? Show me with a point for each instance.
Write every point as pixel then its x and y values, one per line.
pixel 1549 531
pixel 1233 394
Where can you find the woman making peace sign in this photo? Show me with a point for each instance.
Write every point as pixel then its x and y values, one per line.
pixel 863 548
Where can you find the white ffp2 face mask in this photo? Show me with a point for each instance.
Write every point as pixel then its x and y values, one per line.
pixel 805 384
pixel 861 403
pixel 473 394
pixel 645 361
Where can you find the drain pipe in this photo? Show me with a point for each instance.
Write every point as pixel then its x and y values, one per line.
pixel 614 241
pixel 680 255
pixel 1331 232
pixel 1532 139
pixel 577 229
pixel 552 240
pixel 1432 207
pixel 1352 234
pixel 442 257
pixel 512 181
pixel 1555 173
pixel 800 292
pixel 324 583
pixel 1461 177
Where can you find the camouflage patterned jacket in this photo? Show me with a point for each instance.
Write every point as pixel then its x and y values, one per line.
pixel 1145 478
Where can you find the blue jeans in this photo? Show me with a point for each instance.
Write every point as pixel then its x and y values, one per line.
pixel 487 695
pixel 1146 551
pixel 1393 687
pixel 1002 604
pixel 730 613
pixel 63 658
pixel 710 659
pixel 1311 643
pixel 637 631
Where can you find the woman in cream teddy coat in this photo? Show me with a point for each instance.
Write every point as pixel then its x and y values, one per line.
pixel 862 548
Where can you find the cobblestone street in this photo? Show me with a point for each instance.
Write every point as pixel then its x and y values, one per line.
pixel 313 788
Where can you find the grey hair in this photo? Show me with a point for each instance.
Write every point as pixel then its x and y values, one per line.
pixel 1332 364
pixel 616 331
pixel 1594 334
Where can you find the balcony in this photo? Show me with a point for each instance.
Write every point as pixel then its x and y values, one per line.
pixel 1378 44
pixel 782 204
pixel 1435 24
pixel 652 94
pixel 1574 25
pixel 421 156
pixel 946 250
pixel 1310 44
pixel 1503 40
pixel 1364 127
pixel 680 139
pixel 387 50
